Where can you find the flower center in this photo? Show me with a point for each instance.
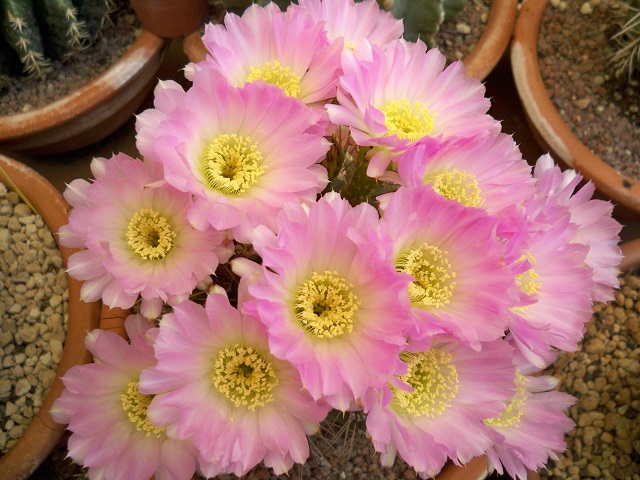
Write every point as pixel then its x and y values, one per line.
pixel 434 277
pixel 244 376
pixel 528 281
pixel 135 405
pixel 406 120
pixel 277 74
pixel 511 415
pixel 232 164
pixel 325 305
pixel 457 185
pixel 150 235
pixel 434 380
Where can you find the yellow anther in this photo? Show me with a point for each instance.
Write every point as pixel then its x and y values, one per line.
pixel 325 305
pixel 456 185
pixel 232 164
pixel 244 376
pixel 512 415
pixel 150 235
pixel 277 74
pixel 434 277
pixel 434 380
pixel 135 405
pixel 408 120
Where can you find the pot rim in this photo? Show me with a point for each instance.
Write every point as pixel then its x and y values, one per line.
pixel 97 92
pixel 545 120
pixel 43 433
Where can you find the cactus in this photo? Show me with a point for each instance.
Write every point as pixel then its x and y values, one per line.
pixel 627 57
pixel 40 31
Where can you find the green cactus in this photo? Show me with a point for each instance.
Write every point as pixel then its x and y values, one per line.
pixel 627 57
pixel 42 30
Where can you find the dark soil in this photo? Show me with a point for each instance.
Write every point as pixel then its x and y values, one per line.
pixel 21 94
pixel 601 110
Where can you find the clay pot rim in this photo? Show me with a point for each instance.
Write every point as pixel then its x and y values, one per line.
pixel 97 92
pixel 546 121
pixel 41 436
pixel 481 61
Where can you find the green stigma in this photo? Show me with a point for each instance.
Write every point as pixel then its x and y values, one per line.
pixel 243 375
pixel 325 305
pixel 135 405
pixel 511 416
pixel 434 277
pixel 434 380
pixel 150 235
pixel 232 164
pixel 406 120
pixel 456 185
pixel 277 74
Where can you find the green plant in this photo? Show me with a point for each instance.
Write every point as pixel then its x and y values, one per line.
pixel 627 57
pixel 36 31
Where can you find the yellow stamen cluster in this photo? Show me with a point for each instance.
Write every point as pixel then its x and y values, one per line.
pixel 408 120
pixel 135 405
pixel 528 281
pixel 232 164
pixel 434 380
pixel 511 416
pixel 325 305
pixel 434 277
pixel 243 375
pixel 456 185
pixel 150 235
pixel 277 74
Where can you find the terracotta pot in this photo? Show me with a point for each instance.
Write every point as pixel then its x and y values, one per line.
pixel 171 18
pixel 42 435
pixel 545 121
pixel 484 57
pixel 92 112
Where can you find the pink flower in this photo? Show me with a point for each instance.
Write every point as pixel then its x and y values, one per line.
pixel 241 152
pixel 435 411
pixel 459 282
pixel 354 22
pixel 555 284
pixel 217 383
pixel 288 49
pixel 135 238
pixel 107 414
pixel 531 429
pixel 381 100
pixel 488 173
pixel 596 228
pixel 331 308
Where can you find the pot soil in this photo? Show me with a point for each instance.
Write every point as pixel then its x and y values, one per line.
pixel 578 110
pixel 40 436
pixel 479 36
pixel 604 375
pixel 85 99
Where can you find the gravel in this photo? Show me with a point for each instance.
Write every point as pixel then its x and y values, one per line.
pixel 604 375
pixel 33 309
pixel 574 48
pixel 21 94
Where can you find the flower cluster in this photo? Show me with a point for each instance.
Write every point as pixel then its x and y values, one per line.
pixel 392 253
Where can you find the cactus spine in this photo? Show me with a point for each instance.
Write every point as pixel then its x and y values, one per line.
pixel 41 30
pixel 627 57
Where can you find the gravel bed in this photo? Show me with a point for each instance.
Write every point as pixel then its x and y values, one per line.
pixel 33 309
pixel 21 94
pixel 574 48
pixel 457 39
pixel 604 375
